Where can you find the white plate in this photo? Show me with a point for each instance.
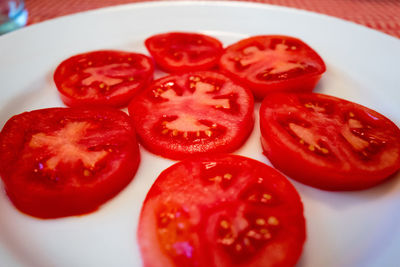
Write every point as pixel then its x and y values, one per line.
pixel 344 229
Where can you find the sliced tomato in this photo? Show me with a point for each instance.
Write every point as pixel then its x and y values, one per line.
pixel 103 78
pixel 327 142
pixel 221 210
pixel 61 162
pixel 270 63
pixel 183 51
pixel 193 113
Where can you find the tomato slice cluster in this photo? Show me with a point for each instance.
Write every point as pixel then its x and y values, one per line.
pixel 327 142
pixel 222 210
pixel 61 162
pixel 212 209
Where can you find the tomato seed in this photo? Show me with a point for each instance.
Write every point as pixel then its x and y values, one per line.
pixel 227 241
pixel 265 233
pixel 324 150
pixel 272 220
pixel 216 179
pixel 228 176
pixel 266 197
pixel 224 224
pixel 260 221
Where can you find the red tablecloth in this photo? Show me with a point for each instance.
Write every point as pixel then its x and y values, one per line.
pixel 382 15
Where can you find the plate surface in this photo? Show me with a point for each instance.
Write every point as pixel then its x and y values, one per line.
pixel 344 229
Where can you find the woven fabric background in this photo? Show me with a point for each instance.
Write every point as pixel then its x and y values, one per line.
pixel 381 15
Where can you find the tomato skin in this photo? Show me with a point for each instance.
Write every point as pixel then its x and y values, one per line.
pixel 184 51
pixel 358 147
pixel 102 78
pixel 193 113
pixel 265 57
pixel 185 196
pixel 60 162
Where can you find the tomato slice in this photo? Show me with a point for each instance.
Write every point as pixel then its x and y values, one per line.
pixel 183 51
pixel 270 63
pixel 193 113
pixel 61 162
pixel 221 210
pixel 103 78
pixel 327 142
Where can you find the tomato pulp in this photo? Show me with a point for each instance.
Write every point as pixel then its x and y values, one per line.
pixel 103 78
pixel 270 63
pixel 61 162
pixel 221 210
pixel 193 113
pixel 184 51
pixel 327 142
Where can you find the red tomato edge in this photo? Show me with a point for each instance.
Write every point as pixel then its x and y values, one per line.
pixel 61 203
pixel 116 101
pixel 62 206
pixel 159 61
pixel 336 180
pixel 304 83
pixel 176 155
pixel 147 248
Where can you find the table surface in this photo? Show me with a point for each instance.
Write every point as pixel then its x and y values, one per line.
pixel 381 15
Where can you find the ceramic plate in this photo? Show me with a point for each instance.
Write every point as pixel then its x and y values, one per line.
pixel 344 228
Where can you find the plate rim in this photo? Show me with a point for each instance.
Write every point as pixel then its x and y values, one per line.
pixel 160 4
pixel 195 3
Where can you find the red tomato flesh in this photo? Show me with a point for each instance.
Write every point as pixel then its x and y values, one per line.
pixel 183 51
pixel 61 162
pixel 327 142
pixel 271 63
pixel 221 210
pixel 103 78
pixel 193 113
